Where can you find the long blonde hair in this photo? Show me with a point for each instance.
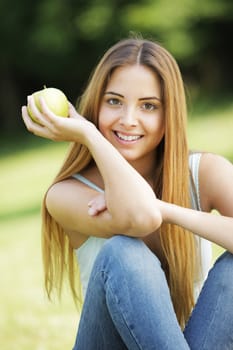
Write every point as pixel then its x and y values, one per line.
pixel 171 179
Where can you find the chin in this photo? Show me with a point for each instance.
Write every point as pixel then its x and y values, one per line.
pixel 129 157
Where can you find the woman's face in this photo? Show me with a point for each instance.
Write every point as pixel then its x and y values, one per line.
pixel 131 113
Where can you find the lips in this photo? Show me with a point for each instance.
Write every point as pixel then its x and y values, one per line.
pixel 127 137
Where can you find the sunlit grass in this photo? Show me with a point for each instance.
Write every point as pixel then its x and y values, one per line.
pixel 28 174
pixel 27 319
pixel 213 132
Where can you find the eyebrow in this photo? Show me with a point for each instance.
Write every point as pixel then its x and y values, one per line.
pixel 140 99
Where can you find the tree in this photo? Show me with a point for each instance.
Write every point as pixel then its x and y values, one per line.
pixel 58 42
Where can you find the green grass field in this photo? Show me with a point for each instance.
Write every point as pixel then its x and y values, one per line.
pixel 27 320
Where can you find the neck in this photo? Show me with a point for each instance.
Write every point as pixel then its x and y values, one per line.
pixel 146 169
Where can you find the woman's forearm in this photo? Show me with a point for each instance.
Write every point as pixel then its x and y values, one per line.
pixel 213 227
pixel 128 196
pixel 130 200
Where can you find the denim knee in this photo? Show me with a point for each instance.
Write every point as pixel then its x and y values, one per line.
pixel 223 269
pixel 127 281
pixel 127 256
pixel 126 250
pixel 211 323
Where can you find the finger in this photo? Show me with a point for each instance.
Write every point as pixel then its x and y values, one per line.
pixel 32 105
pixel 25 115
pixel 96 208
pixel 38 130
pixel 29 123
pixel 25 112
pixel 90 203
pixel 100 206
pixel 73 112
pixel 71 107
pixel 45 109
pixel 50 120
pixel 34 127
pixel 92 211
pixel 37 115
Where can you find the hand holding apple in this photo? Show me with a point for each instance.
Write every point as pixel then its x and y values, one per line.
pixel 55 100
pixel 42 117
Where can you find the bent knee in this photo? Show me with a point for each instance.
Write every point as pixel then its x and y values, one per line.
pixel 128 252
pixel 224 270
pixel 121 247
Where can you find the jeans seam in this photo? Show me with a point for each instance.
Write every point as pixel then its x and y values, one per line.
pixel 104 273
pixel 216 306
pixel 210 325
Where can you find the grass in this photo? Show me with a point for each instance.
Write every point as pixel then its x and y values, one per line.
pixel 212 131
pixel 27 320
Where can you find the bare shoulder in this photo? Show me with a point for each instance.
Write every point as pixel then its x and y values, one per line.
pixel 73 191
pixel 67 202
pixel 215 165
pixel 65 199
pixel 216 179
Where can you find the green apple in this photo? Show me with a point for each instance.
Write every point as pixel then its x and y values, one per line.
pixel 55 100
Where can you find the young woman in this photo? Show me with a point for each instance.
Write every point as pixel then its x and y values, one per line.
pixel 133 204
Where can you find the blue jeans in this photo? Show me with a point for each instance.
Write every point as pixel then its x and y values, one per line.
pixel 128 304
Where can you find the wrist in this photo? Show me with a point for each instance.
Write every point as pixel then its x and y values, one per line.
pixel 95 141
pixel 164 208
pixel 88 132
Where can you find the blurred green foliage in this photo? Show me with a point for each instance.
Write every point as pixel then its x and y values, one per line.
pixel 58 43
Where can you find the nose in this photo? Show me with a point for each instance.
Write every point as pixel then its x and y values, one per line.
pixel 129 117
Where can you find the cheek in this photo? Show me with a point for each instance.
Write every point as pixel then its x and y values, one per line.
pixel 162 127
pixel 156 124
pixel 161 123
pixel 101 118
pixel 106 119
pixel 101 129
pixel 157 130
pixel 161 131
pixel 103 122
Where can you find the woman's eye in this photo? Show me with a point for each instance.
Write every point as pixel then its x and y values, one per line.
pixel 149 106
pixel 114 101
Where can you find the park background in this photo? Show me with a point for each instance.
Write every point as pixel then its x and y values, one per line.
pixel 58 43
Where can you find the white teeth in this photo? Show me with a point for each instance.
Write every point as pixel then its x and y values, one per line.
pixel 128 137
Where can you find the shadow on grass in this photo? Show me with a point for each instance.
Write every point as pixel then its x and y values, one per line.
pixel 20 213
pixel 229 156
pixel 12 144
pixel 213 105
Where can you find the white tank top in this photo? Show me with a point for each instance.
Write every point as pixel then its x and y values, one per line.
pixel 87 252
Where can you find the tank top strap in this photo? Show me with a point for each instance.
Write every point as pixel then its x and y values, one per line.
pixel 87 182
pixel 194 162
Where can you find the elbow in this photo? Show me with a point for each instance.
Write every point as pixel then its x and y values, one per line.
pixel 144 224
pixel 48 200
pixel 151 222
pixel 51 201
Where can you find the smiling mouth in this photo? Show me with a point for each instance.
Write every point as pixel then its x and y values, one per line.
pixel 128 138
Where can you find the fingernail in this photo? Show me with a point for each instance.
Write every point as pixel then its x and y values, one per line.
pixel 91 211
pixel 89 204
